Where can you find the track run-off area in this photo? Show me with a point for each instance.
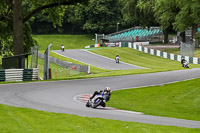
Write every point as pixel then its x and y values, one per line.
pixel 65 96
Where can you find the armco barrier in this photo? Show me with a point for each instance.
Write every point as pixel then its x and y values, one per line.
pixel 93 46
pixel 19 74
pixel 30 74
pixel 83 68
pixel 14 74
pixel 2 75
pixel 193 60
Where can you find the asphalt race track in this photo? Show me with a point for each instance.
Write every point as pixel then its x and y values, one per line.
pixel 96 60
pixel 64 96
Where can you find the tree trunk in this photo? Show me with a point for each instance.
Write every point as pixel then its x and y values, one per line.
pixel 17 27
pixel 165 36
pixel 183 36
pixel 194 30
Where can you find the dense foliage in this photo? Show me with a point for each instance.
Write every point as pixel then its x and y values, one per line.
pixel 97 17
pixel 15 31
pixel 89 16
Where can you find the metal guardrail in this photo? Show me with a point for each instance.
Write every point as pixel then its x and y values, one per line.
pixel 192 60
pixel 30 74
pixel 69 65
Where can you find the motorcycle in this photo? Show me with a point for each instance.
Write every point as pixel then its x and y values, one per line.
pixel 185 64
pixel 98 100
pixel 117 59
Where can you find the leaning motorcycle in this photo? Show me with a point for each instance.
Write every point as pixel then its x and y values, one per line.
pixel 98 100
pixel 117 59
pixel 185 64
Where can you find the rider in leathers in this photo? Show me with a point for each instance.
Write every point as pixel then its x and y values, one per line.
pixel 106 90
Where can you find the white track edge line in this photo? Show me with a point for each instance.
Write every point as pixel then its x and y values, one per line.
pixel 114 60
pixel 77 60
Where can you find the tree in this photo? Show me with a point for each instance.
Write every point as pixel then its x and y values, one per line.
pixel 188 16
pixel 165 12
pixel 15 16
pixel 5 27
pixel 139 12
pixel 131 13
pixel 182 14
pixel 18 38
pixel 99 16
pixel 102 16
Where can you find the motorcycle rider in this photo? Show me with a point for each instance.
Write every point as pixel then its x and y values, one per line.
pixel 106 90
pixel 182 62
pixel 62 48
pixel 117 57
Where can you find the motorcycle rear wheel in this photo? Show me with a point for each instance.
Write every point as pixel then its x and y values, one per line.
pixel 103 104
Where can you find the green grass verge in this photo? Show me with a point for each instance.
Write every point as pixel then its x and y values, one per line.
pixel 22 120
pixel 177 100
pixel 154 63
pixel 128 55
pixel 69 41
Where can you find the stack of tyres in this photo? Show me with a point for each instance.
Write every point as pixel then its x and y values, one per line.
pixel 27 74
pixel 2 75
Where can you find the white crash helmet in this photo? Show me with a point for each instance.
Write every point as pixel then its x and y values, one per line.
pixel 107 89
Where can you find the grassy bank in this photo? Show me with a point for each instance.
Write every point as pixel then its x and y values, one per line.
pixel 69 41
pixel 22 120
pixel 177 100
pixel 153 63
pixel 131 56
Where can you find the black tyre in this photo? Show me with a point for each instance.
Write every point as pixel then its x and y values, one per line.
pixel 103 104
pixel 87 104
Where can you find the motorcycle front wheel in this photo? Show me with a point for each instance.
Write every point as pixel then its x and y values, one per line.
pixel 87 104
